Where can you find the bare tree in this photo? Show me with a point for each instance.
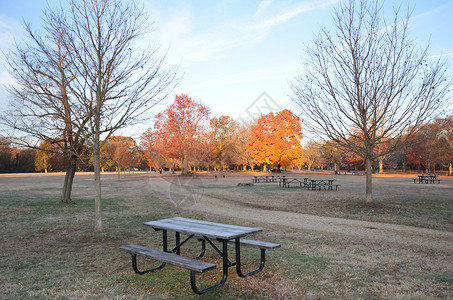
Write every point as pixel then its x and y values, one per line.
pixel 312 154
pixel 367 80
pixel 86 78
pixel 238 145
pixel 115 82
pixel 42 108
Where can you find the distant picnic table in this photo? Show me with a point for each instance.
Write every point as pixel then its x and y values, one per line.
pixel 267 178
pixel 304 182
pixel 427 178
pixel 326 184
pixel 287 181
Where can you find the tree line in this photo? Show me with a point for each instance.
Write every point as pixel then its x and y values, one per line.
pixel 429 149
pixel 221 143
pixel 185 137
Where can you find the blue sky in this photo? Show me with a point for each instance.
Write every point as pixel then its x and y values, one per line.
pixel 232 51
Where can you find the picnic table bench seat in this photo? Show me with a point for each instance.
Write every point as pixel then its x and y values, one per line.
pixel 251 243
pixel 165 257
pixel 258 244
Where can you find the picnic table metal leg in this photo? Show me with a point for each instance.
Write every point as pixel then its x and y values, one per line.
pixel 162 265
pixel 238 260
pixel 226 265
pixel 178 243
pixel 203 249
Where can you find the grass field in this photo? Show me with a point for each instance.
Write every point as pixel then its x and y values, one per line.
pixel 49 250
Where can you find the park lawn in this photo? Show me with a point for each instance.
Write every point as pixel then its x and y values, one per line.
pixel 397 200
pixel 49 250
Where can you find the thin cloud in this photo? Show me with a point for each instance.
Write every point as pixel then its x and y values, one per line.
pixel 292 12
pixel 177 31
pixel 263 6
pixel 440 55
pixel 9 30
pixel 432 11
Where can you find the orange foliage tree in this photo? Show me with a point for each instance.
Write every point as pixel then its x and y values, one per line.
pixel 119 152
pixel 222 131
pixel 180 130
pixel 275 139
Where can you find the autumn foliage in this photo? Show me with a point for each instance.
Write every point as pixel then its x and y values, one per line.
pixel 179 130
pixel 185 138
pixel 119 152
pixel 431 145
pixel 275 139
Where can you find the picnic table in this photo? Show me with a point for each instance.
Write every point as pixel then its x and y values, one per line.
pixel 287 181
pixel 267 178
pixel 427 178
pixel 326 184
pixel 205 232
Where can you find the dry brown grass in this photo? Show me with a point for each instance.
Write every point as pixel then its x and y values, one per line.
pixel 49 250
pixel 397 199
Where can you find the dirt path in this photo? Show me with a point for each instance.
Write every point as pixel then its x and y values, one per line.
pixel 406 235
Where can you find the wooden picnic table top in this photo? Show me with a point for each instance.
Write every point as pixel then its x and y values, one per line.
pixel 204 228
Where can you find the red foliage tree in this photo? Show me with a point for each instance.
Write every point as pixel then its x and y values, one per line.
pixel 148 146
pixel 180 128
pixel 431 145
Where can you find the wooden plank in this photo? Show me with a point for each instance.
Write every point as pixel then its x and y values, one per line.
pixel 192 226
pixel 177 260
pixel 251 243
pixel 258 244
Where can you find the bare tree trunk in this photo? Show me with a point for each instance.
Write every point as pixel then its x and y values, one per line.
pixel 381 165
pixel 97 185
pixel 185 167
pixel 68 180
pixel 369 181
